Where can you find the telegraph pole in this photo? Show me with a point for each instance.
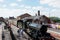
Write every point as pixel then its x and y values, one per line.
pixel 49 14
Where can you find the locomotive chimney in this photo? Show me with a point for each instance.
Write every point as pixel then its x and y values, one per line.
pixel 38 12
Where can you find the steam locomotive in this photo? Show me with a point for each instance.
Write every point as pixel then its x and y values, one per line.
pixel 34 30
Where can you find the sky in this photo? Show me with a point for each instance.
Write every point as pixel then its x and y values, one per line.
pixel 19 7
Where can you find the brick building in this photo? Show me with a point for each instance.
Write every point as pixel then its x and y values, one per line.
pixel 23 16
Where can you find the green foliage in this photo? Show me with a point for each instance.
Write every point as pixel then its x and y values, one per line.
pixel 55 19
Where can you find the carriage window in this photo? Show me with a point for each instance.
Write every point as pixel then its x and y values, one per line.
pixel 19 24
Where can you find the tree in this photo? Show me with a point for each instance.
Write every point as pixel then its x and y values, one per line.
pixel 55 19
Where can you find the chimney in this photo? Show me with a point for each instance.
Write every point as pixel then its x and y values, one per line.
pixel 38 12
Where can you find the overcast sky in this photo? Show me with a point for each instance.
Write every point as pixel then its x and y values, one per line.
pixel 18 7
